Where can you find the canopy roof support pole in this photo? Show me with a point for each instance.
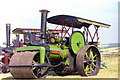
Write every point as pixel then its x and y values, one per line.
pixel 96 33
pixel 66 32
pixel 85 34
pixel 90 34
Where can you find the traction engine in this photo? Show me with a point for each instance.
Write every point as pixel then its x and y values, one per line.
pixel 63 52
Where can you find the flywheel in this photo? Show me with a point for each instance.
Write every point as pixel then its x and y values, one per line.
pixel 27 58
pixel 88 60
pixel 77 40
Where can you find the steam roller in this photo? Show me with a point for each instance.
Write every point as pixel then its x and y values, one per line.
pixel 54 50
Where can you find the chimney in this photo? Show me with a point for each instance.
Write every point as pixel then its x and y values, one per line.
pixel 8 35
pixel 43 24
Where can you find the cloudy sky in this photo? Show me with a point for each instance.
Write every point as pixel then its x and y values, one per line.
pixel 25 14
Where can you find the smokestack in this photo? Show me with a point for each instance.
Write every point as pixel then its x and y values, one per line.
pixel 8 35
pixel 43 24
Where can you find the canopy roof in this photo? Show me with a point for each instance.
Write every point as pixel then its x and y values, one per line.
pixel 77 22
pixel 26 30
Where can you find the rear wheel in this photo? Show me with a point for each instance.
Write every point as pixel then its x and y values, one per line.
pixel 88 61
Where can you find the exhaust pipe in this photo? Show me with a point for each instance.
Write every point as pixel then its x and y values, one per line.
pixel 43 24
pixel 8 35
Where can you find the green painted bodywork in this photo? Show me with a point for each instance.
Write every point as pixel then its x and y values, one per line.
pixel 63 52
pixel 58 40
pixel 67 62
pixel 34 48
pixel 77 37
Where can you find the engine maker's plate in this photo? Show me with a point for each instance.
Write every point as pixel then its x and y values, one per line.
pixel 77 40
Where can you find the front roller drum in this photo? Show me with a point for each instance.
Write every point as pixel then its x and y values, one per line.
pixel 26 58
pixel 88 61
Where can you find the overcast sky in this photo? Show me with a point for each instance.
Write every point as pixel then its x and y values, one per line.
pixel 25 14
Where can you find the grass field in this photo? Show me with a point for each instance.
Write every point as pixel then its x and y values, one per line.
pixel 110 72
